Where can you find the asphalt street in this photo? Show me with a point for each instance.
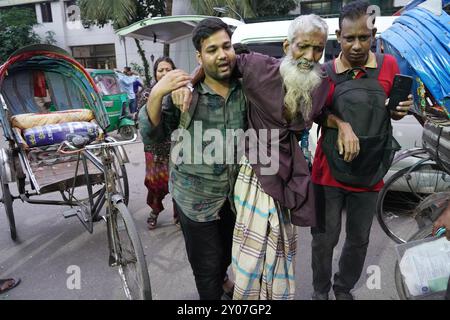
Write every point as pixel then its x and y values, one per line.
pixel 49 247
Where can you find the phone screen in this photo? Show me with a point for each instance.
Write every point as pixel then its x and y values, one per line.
pixel 400 90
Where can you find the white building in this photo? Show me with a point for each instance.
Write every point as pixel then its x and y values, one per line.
pixel 98 47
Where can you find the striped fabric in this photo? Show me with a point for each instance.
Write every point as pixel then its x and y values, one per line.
pixel 264 243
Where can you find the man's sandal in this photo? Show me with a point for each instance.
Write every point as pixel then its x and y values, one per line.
pixel 13 282
pixel 151 221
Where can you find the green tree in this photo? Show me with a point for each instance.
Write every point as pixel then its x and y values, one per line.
pixel 245 8
pixel 206 7
pixel 122 13
pixel 50 37
pixel 270 8
pixel 16 25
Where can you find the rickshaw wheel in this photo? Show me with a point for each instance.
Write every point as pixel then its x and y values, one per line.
pixel 129 254
pixel 121 176
pixel 8 204
pixel 127 132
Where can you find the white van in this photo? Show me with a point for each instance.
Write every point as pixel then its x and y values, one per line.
pixel 268 37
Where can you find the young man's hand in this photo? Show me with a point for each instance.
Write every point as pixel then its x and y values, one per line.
pixel 402 108
pixel 173 80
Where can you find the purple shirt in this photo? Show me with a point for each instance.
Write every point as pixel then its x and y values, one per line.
pixel 263 87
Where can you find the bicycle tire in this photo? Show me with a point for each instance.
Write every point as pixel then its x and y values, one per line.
pixel 402 193
pixel 123 187
pixel 129 254
pixel 8 204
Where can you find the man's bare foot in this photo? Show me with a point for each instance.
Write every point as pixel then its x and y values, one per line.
pixel 228 287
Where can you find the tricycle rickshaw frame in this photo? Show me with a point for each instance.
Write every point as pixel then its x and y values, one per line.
pixel 88 176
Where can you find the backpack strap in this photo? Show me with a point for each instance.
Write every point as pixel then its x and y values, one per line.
pixel 374 73
pixel 336 78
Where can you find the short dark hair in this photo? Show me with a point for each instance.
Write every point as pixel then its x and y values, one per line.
pixel 353 11
pixel 159 60
pixel 127 69
pixel 206 28
pixel 240 48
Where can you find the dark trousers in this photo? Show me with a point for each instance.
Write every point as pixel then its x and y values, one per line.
pixel 208 246
pixel 360 208
pixel 133 105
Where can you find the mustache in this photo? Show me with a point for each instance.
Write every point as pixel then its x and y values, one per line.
pixel 304 64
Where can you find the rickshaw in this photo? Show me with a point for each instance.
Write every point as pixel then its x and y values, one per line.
pixel 413 198
pixel 54 123
pixel 115 102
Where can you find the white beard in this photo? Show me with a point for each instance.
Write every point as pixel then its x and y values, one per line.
pixel 299 84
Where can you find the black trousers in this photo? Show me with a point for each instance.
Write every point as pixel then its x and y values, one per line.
pixel 208 246
pixel 360 208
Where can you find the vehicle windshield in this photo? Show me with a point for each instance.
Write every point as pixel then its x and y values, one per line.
pixel 107 83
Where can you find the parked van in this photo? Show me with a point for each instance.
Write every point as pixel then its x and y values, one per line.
pixel 268 37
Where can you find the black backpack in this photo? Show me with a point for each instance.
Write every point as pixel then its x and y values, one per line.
pixel 372 127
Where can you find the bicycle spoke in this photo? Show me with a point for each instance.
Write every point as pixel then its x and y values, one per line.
pixel 402 194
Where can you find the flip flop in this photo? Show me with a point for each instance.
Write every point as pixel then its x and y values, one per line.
pixel 16 282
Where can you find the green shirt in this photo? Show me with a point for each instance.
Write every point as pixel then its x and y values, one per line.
pixel 200 189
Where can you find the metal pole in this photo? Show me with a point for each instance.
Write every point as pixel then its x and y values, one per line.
pixel 125 47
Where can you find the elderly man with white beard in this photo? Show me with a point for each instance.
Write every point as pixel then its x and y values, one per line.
pixel 284 96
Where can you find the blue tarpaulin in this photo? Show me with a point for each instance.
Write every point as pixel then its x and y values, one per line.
pixel 420 41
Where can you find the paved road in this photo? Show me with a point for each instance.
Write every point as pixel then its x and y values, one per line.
pixel 49 244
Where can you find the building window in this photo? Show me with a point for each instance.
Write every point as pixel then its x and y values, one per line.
pixel 96 57
pixel 46 11
pixel 322 8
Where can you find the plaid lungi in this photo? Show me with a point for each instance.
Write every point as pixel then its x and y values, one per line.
pixel 264 242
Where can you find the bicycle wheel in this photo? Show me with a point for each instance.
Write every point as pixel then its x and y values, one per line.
pixel 128 253
pixel 8 204
pixel 398 200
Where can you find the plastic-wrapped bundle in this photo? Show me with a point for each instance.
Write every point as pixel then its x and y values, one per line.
pixel 56 133
pixel 30 120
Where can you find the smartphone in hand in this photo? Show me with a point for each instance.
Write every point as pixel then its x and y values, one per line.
pixel 400 91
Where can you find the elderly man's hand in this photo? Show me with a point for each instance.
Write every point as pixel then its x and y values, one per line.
pixel 348 142
pixel 182 98
pixel 402 109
